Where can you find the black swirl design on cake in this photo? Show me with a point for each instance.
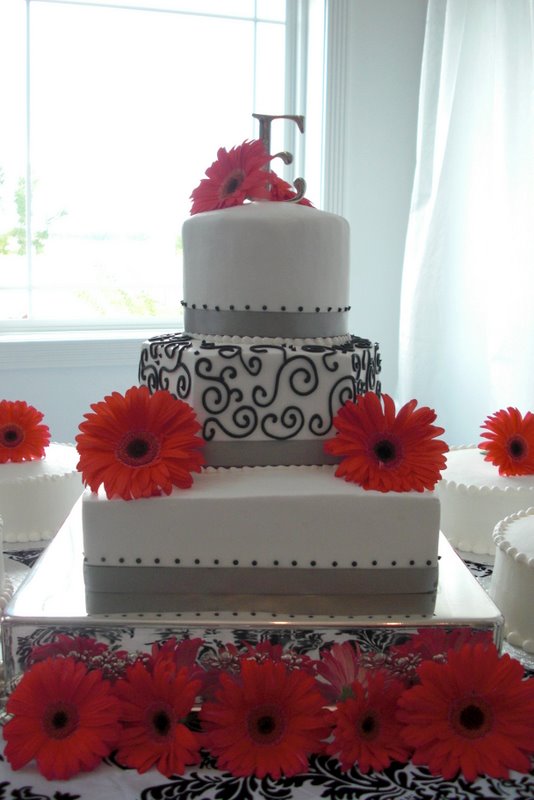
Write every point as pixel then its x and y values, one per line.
pixel 269 391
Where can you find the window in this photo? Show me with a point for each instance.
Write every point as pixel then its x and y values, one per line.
pixel 112 112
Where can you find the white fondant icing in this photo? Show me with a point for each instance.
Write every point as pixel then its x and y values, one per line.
pixel 286 517
pixel 474 498
pixel 512 581
pixel 37 496
pixel 282 256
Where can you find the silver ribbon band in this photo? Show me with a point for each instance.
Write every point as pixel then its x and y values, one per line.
pixel 172 585
pixel 271 324
pixel 287 453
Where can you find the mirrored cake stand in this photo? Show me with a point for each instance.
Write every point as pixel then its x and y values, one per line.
pixel 53 598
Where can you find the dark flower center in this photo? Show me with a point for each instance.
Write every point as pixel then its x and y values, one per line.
pixel 138 448
pixel 517 448
pixel 60 721
pixel 368 726
pixel 11 435
pixel 472 718
pixel 232 183
pixel 386 452
pixel 266 726
pixel 161 722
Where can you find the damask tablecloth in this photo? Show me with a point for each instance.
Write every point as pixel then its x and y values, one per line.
pixel 324 778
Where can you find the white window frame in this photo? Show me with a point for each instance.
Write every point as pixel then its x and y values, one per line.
pixel 317 71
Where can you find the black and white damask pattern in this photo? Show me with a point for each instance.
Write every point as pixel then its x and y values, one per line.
pixel 264 391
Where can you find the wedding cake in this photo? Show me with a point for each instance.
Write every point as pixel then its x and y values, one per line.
pixel 267 364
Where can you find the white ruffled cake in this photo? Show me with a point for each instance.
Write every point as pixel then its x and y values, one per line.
pixel 474 498
pixel 37 496
pixel 512 581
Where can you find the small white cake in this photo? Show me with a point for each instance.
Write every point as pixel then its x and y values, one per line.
pixel 474 498
pixel 512 582
pixel 37 496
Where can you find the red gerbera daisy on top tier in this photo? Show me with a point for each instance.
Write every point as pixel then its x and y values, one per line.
pixel 509 441
pixel 237 175
pixel 474 714
pixel 139 445
pixel 266 721
pixel 66 718
pixel 386 451
pixel 22 436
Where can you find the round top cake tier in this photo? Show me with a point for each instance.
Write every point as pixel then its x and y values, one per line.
pixel 266 269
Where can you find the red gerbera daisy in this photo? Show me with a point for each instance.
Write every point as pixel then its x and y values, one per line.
pixel 366 730
pixel 22 436
pixel 65 718
pixel 386 451
pixel 474 714
pixel 139 445
pixel 509 441
pixel 236 176
pixel 282 190
pixel 154 709
pixel 266 721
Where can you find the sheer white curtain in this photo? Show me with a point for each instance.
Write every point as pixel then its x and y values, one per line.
pixel 467 308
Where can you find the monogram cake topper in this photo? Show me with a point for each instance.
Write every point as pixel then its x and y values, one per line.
pixel 266 121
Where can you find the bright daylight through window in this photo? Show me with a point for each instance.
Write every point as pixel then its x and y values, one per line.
pixel 112 112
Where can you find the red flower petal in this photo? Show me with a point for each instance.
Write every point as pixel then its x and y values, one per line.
pixel 509 441
pixel 64 717
pixel 237 175
pixel 22 436
pixel 473 714
pixel 266 721
pixel 366 731
pixel 139 445
pixel 386 451
pixel 154 707
pixel 281 190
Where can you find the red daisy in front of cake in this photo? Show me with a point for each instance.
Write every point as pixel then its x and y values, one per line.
pixel 387 451
pixel 139 445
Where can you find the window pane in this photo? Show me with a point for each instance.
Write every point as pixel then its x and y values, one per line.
pixel 128 109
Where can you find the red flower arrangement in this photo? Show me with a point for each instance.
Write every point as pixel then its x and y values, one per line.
pixel 23 436
pixel 238 175
pixel 266 721
pixel 469 709
pixel 154 705
pixel 385 450
pixel 366 731
pixel 473 714
pixel 509 441
pixel 65 717
pixel 139 445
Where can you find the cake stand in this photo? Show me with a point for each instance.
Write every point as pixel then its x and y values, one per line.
pixel 53 598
